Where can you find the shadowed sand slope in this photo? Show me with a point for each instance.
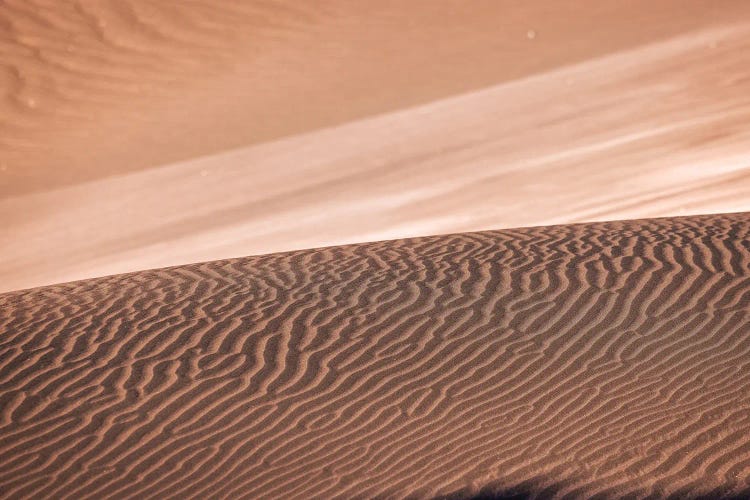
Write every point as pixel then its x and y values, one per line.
pixel 608 358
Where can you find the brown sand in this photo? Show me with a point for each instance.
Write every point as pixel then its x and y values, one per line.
pixel 143 134
pixel 607 358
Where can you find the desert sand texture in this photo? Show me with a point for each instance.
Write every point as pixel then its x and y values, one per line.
pixel 139 134
pixel 569 361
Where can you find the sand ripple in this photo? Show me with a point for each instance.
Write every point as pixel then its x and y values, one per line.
pixel 606 358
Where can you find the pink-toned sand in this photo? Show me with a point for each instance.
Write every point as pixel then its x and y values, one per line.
pixel 574 360
pixel 605 360
pixel 139 134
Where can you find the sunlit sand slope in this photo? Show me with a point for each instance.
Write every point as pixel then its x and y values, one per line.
pixel 656 130
pixel 606 358
pixel 94 88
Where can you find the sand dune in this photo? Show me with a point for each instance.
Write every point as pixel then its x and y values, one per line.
pixel 93 88
pixel 606 358
pixel 655 130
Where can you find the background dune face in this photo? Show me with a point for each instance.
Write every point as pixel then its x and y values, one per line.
pixel 99 87
pixel 353 121
pixel 609 358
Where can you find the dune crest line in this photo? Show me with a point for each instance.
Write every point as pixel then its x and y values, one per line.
pixel 605 358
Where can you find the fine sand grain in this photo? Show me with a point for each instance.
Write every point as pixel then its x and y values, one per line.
pixel 606 358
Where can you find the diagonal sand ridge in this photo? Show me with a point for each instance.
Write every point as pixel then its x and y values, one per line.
pixel 95 88
pixel 656 130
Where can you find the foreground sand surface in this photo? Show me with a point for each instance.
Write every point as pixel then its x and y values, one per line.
pixel 138 134
pixel 606 358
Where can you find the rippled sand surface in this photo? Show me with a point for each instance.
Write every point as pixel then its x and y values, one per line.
pixel 604 360
pixel 143 134
pixel 374 249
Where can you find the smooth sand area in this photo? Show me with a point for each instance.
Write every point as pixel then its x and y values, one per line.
pixel 93 88
pixel 138 134
pixel 608 359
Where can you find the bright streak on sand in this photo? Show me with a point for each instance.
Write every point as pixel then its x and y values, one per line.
pixel 627 139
